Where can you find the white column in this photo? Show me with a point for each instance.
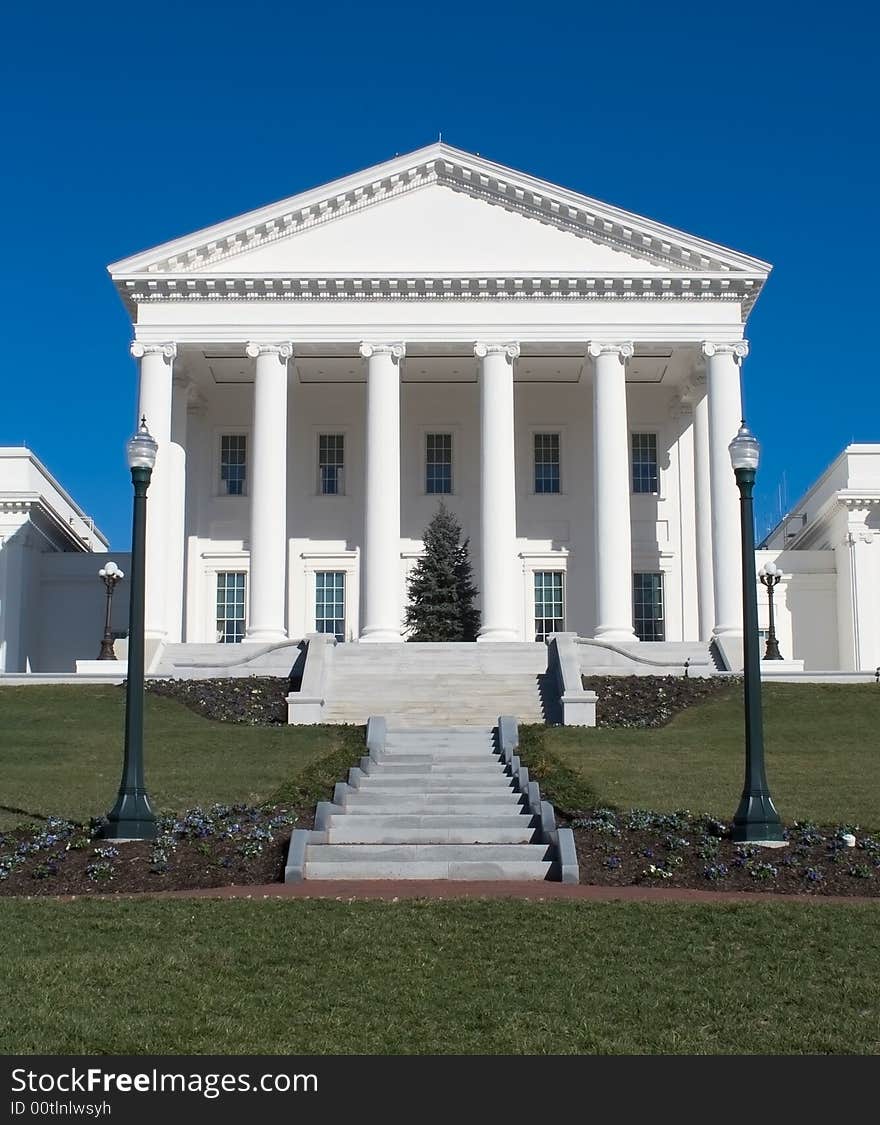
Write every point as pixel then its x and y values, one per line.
pixel 725 412
pixel 498 589
pixel 857 602
pixel 683 414
pixel 268 494
pixel 382 579
pixel 703 504
pixel 611 490
pixel 176 529
pixel 154 404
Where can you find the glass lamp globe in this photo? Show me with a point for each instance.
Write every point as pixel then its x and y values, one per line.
pixel 142 448
pixel 770 569
pixel 745 452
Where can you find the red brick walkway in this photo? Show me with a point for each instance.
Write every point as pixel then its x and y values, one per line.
pixel 539 891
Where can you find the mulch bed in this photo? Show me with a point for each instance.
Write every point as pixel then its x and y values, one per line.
pixel 214 847
pixel 255 700
pixel 241 846
pixel 678 850
pixel 651 701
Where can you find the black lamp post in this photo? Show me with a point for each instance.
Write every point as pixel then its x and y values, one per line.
pixel 756 820
pixel 111 574
pixel 770 578
pixel 131 818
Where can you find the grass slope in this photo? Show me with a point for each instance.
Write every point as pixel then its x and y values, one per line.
pixel 324 977
pixel 61 754
pixel 822 749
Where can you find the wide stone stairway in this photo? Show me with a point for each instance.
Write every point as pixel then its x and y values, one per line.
pixel 435 803
pixel 436 684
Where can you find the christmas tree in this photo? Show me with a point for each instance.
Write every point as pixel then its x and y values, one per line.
pixel 441 589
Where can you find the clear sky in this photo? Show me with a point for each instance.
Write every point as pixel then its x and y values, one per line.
pixel 123 126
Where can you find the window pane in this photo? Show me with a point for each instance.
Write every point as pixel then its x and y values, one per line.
pixel 549 603
pixel 644 463
pixel 648 616
pixel 233 463
pixel 546 462
pixel 438 464
pixel 330 603
pixel 331 464
pixel 230 606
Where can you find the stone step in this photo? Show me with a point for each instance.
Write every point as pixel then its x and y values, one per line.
pixel 439 789
pixel 393 821
pixel 483 870
pixel 430 806
pixel 365 830
pixel 428 853
pixel 405 775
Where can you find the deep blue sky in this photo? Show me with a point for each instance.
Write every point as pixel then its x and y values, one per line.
pixel 123 126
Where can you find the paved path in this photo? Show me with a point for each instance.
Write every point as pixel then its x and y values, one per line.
pixel 437 889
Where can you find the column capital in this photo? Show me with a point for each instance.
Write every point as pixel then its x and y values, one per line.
pixel 396 351
pixel 510 351
pixel 739 349
pixel 623 349
pixel 167 350
pixel 282 351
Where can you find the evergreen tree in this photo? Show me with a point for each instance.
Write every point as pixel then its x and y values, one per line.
pixel 441 589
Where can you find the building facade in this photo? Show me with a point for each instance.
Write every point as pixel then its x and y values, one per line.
pixel 563 375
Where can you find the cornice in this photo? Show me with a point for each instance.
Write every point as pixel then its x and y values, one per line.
pixel 440 287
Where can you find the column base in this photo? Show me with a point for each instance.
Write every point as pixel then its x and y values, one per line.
pixel 490 634
pixel 616 635
pixel 378 635
pixel 265 637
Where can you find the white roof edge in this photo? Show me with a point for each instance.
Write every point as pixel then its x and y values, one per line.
pixel 23 451
pixel 435 151
pixel 848 450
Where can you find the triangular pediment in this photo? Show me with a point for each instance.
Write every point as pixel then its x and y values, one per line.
pixel 438 210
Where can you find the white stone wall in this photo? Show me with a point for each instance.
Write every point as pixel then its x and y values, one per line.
pixel 805 604
pixel 326 532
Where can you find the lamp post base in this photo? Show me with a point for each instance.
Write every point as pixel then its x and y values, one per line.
pixel 756 821
pixel 131 818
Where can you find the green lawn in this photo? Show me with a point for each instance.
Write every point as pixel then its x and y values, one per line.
pixel 822 746
pixel 325 977
pixel 61 753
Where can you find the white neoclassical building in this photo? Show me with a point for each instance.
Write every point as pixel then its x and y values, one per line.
pixel 562 374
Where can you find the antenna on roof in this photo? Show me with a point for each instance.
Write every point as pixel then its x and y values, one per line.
pixel 439 135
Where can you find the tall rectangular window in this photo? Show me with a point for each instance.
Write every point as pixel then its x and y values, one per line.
pixel 645 477
pixel 648 613
pixel 330 603
pixel 438 464
pixel 331 464
pixel 549 603
pixel 233 464
pixel 547 463
pixel 230 606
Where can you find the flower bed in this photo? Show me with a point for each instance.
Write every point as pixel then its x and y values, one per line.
pixel 679 849
pixel 256 700
pixel 211 847
pixel 651 701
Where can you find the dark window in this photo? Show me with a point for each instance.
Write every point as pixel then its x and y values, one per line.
pixel 546 462
pixel 233 464
pixel 438 464
pixel 331 464
pixel 644 463
pixel 230 606
pixel 648 616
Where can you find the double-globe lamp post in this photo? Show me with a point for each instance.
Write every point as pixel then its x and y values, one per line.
pixel 132 818
pixel 110 575
pixel 770 579
pixel 756 820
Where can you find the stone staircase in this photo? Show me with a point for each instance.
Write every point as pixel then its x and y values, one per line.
pixel 436 685
pixel 449 803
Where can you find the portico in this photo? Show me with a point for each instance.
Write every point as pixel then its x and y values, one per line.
pixel 320 374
